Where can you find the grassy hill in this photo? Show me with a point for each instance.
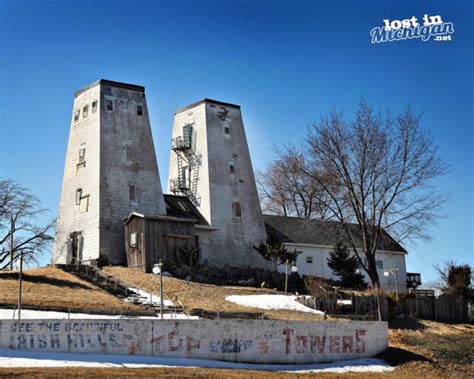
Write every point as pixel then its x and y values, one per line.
pixel 203 296
pixel 52 288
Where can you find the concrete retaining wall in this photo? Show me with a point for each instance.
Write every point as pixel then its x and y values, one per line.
pixel 255 341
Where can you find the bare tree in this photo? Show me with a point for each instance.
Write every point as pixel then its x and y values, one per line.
pixel 285 188
pixel 380 170
pixel 453 278
pixel 19 231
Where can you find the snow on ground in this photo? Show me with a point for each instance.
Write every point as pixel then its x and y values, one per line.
pixel 271 302
pixel 344 302
pixel 16 358
pixel 27 314
pixel 146 298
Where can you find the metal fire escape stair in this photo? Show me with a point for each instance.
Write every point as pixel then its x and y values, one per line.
pixel 186 155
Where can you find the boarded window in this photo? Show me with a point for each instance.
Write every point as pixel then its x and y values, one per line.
pixel 78 196
pixel 128 153
pixel 236 211
pixel 187 135
pixel 84 204
pixel 94 106
pixel 82 155
pixel 85 111
pixel 76 115
pixel 109 105
pixel 132 192
pixel 309 260
pixel 139 110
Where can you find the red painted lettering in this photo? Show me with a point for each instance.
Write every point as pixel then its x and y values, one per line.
pixel 317 344
pixel 301 344
pixel 360 343
pixel 288 333
pixel 347 343
pixel 334 344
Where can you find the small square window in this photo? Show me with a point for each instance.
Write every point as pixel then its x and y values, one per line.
pixel 139 110
pixel 82 155
pixel 226 130
pixel 76 115
pixel 94 106
pixel 309 260
pixel 237 212
pixel 379 265
pixel 85 111
pixel 132 192
pixel 109 105
pixel 231 169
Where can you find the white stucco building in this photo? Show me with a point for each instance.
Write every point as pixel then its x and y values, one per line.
pixel 315 239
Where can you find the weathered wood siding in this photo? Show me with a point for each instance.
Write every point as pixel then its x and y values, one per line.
pixel 158 239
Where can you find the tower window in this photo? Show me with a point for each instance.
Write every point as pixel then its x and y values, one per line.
pixel 139 110
pixel 128 153
pixel 309 260
pixel 84 204
pixel 94 106
pixel 236 211
pixel 132 194
pixel 85 111
pixel 76 115
pixel 78 196
pixel 82 155
pixel 226 130
pixel 109 105
pixel 231 169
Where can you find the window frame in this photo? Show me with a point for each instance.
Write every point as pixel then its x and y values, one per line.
pixel 107 103
pixel 236 209
pixel 132 189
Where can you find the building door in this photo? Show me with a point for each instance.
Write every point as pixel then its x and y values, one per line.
pixel 76 242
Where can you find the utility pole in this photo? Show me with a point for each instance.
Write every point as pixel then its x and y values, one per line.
pixel 12 225
pixel 20 286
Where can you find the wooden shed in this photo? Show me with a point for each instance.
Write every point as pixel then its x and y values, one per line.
pixel 151 238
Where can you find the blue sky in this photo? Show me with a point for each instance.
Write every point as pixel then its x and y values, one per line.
pixel 285 63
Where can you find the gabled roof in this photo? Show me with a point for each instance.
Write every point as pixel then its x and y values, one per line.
pixel 182 207
pixel 319 232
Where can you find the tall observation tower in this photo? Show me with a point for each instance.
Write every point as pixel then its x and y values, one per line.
pixel 210 164
pixel 110 171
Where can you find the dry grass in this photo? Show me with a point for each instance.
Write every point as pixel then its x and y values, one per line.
pixel 203 296
pixel 52 288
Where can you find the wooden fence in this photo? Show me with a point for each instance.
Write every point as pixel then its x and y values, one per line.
pixel 450 308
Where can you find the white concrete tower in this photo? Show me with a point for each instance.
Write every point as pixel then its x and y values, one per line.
pixel 210 163
pixel 110 171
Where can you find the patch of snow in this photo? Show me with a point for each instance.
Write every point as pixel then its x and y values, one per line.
pixel 28 314
pixel 18 358
pixel 271 302
pixel 344 302
pixel 146 298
